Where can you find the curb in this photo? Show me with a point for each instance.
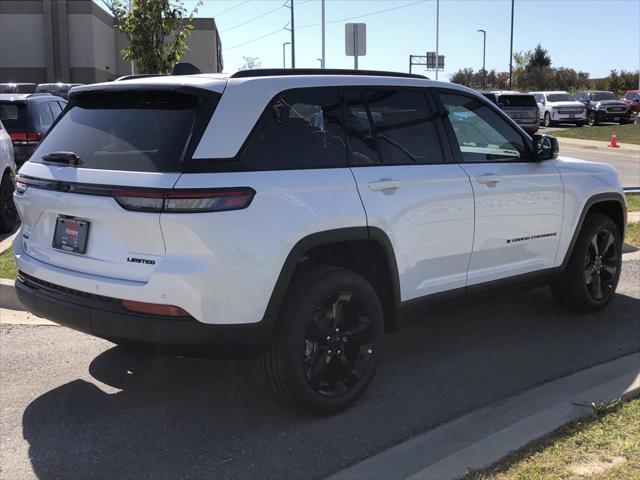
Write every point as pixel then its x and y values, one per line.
pixel 8 296
pixel 6 243
pixel 627 149
pixel 481 438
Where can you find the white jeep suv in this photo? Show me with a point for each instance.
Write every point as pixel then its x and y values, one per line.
pixel 298 215
pixel 559 107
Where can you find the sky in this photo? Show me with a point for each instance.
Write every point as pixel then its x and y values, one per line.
pixel 595 36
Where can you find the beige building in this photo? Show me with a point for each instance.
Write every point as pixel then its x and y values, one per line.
pixel 74 41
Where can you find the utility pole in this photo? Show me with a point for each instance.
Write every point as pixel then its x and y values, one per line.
pixel 293 38
pixel 284 58
pixel 484 52
pixel 437 36
pixel 323 35
pixel 511 50
pixel 133 65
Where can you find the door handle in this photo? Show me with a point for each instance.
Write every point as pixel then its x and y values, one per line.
pixel 382 185
pixel 488 179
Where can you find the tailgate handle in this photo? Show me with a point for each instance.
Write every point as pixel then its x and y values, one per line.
pixel 384 185
pixel 67 158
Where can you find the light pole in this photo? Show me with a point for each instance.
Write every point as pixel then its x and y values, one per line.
pixel 437 37
pixel 284 61
pixel 323 35
pixel 484 52
pixel 511 50
pixel 293 38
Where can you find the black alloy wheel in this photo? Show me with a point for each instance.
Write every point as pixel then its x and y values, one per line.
pixel 328 340
pixel 338 345
pixel 602 262
pixel 589 280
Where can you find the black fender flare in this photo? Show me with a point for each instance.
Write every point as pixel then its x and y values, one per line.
pixel 329 237
pixel 595 199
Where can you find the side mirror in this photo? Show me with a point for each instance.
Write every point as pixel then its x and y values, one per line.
pixel 545 147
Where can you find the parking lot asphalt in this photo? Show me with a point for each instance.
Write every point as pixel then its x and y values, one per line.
pixel 76 407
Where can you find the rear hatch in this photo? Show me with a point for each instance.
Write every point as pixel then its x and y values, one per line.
pixel 521 108
pixel 88 192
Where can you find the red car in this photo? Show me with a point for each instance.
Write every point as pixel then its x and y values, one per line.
pixel 632 98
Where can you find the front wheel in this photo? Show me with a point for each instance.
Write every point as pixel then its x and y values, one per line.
pixel 547 120
pixel 591 277
pixel 328 340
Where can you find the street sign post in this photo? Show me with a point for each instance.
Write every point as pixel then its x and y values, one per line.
pixel 355 44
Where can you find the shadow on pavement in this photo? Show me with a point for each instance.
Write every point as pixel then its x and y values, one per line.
pixel 171 417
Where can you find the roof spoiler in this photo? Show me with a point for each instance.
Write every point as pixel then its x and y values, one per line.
pixel 185 68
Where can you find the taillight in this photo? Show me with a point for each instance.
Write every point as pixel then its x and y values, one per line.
pixel 185 201
pixel 24 138
pixel 21 185
pixel 154 309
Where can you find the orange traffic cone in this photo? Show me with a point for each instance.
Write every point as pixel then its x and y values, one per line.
pixel 614 141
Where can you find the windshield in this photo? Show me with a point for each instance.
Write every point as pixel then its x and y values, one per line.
pixel 143 131
pixel 559 97
pixel 597 96
pixel 512 101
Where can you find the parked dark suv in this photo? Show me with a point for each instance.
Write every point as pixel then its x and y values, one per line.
pixel 27 117
pixel 604 106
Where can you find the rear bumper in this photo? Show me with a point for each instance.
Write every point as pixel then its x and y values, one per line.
pixel 105 318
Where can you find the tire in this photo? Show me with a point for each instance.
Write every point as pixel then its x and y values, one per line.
pixel 624 122
pixel 308 362
pixel 595 261
pixel 8 212
pixel 547 120
pixel 592 120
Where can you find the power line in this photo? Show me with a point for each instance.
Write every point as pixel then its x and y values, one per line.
pixel 253 40
pixel 253 19
pixel 231 8
pixel 364 15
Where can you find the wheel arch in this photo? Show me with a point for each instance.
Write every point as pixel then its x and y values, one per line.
pixel 366 250
pixel 611 204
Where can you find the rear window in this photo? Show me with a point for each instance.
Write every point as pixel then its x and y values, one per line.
pixel 513 101
pixel 14 116
pixel 141 131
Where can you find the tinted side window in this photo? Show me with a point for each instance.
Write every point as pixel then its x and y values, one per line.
pixel 55 109
pixel 482 134
pixel 301 128
pixel 404 126
pixel 364 147
pixel 43 116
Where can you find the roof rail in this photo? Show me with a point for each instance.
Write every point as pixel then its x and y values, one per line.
pixel 275 72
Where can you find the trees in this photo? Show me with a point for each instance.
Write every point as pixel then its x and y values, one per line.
pixel 250 63
pixel 539 58
pixel 623 81
pixel 157 31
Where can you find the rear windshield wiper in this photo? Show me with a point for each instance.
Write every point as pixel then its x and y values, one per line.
pixel 68 158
